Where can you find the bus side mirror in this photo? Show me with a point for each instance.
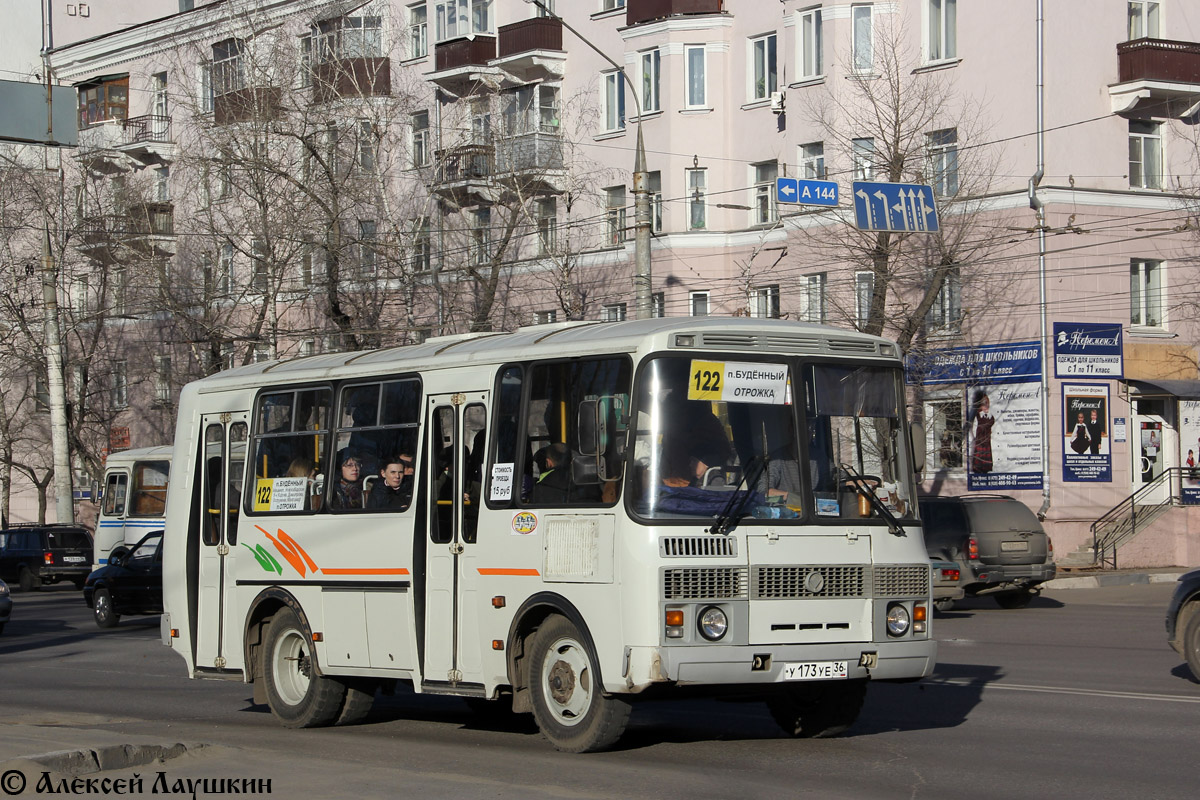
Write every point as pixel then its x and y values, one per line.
pixel 916 445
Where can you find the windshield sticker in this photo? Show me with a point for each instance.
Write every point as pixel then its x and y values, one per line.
pixel 502 479
pixel 524 523
pixel 739 382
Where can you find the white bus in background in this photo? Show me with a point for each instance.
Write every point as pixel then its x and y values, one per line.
pixel 565 519
pixel 134 500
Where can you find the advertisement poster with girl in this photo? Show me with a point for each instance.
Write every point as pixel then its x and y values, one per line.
pixel 1189 450
pixel 1004 436
pixel 1087 452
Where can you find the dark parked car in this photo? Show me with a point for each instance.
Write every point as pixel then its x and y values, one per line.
pixel 1183 620
pixel 5 605
pixel 997 542
pixel 131 585
pixel 32 555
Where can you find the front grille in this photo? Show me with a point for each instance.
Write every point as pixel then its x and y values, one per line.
pixel 710 583
pixel 778 583
pixel 697 546
pixel 902 580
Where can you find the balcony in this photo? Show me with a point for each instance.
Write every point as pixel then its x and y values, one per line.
pixel 638 11
pixel 147 227
pixel 148 139
pixel 243 105
pixel 464 172
pixel 531 161
pixel 532 49
pixel 459 64
pixel 352 78
pixel 1157 76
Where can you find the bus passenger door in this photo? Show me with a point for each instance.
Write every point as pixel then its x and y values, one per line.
pixel 455 446
pixel 221 473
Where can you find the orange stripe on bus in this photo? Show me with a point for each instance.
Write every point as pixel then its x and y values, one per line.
pixel 504 571
pixel 365 571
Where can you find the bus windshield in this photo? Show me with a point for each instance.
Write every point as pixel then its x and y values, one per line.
pixel 717 437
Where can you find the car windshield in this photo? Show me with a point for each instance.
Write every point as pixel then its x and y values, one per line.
pixel 145 550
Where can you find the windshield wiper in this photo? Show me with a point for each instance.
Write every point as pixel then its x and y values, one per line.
pixel 728 519
pixel 864 489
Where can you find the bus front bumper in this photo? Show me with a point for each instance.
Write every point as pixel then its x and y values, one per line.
pixel 768 664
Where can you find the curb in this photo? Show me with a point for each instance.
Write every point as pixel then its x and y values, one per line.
pixel 1112 579
pixel 113 757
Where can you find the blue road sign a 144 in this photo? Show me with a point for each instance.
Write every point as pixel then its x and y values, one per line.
pixel 899 207
pixel 806 192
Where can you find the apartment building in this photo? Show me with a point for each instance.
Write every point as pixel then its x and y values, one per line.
pixel 270 178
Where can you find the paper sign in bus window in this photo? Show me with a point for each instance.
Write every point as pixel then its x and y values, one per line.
pixel 280 494
pixel 739 382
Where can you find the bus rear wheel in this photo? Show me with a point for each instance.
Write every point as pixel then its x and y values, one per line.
pixel 298 696
pixel 818 710
pixel 569 704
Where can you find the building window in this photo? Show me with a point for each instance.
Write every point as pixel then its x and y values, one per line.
pixel 658 305
pixel 610 5
pixel 942 153
pixel 546 317
pixel 308 347
pixel 1145 155
pixel 481 237
pixel 262 353
pixel 119 391
pixel 118 281
pixel 809 39
pixel 457 18
pixel 41 394
pixel 614 214
pixel 304 78
pixel 420 139
pixel 656 201
pixel 864 292
pixel 547 225
pixel 228 67
pixel 765 210
pixel 545 9
pixel 1145 293
pixel 224 281
pixel 259 277
pixel 204 87
pixel 697 88
pixel 162 379
pixel 697 194
pixel 368 253
pixel 418 31
pixel 613 101
pixel 421 247
pixel 162 184
pixel 349 37
pixel 812 298
pixel 103 101
pixel 812 161
pixel 306 262
pixel 944 429
pixel 763 67
pixel 651 77
pixel 764 302
pixel 1143 19
pixel 863 45
pixel 613 312
pixel 943 29
pixel 698 304
pixel 946 313
pixel 368 147
pixel 862 154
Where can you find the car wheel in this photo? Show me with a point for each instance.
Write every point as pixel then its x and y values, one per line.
pixel 1017 599
pixel 943 604
pixel 28 581
pixel 817 710
pixel 102 609
pixel 569 704
pixel 298 696
pixel 1191 644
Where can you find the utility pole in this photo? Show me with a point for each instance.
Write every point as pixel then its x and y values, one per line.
pixel 64 501
pixel 642 278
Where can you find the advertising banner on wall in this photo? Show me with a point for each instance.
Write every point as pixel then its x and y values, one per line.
pixel 1087 350
pixel 1189 438
pixel 1087 451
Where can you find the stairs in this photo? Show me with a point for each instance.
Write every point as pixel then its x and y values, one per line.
pixel 1124 521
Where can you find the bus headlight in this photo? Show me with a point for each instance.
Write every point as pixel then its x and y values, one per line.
pixel 897 619
pixel 712 623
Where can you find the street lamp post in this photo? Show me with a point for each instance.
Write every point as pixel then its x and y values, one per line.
pixel 641 186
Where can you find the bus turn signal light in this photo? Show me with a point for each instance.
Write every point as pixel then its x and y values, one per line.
pixel 674 618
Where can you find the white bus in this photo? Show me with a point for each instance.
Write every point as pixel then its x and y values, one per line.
pixel 566 519
pixel 134 500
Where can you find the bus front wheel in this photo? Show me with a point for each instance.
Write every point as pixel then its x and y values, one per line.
pixel 817 710
pixel 298 696
pixel 569 703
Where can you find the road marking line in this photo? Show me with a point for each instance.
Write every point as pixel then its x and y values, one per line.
pixel 1016 687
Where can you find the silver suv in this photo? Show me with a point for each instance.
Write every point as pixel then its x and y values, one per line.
pixel 998 543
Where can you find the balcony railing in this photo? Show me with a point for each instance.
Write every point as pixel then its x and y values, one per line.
pixel 352 77
pixel 142 219
pixel 148 128
pixel 529 152
pixel 538 33
pixel 647 10
pixel 1158 60
pixel 458 53
pixel 242 105
pixel 464 163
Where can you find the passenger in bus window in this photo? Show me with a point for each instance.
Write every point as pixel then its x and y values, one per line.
pixel 553 481
pixel 302 467
pixel 395 490
pixel 347 491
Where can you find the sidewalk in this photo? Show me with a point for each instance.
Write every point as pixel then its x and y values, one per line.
pixel 1094 579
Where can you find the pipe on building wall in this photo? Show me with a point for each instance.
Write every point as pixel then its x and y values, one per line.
pixel 1038 206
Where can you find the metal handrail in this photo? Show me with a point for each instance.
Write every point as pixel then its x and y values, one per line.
pixel 1112 521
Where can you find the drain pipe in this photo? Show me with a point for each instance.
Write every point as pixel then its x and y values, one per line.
pixel 1038 206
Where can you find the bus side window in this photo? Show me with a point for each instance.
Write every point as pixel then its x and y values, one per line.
pixel 114 495
pixel 474 435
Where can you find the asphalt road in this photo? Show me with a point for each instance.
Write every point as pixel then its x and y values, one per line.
pixel 1076 696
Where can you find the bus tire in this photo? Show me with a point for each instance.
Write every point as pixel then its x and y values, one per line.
pixel 569 704
pixel 817 710
pixel 297 695
pixel 360 696
pixel 102 610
